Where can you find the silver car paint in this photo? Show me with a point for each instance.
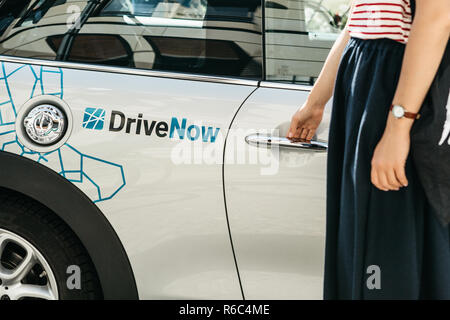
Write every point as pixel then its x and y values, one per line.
pixel 170 218
pixel 277 220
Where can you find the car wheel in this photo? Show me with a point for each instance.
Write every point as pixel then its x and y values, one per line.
pixel 40 256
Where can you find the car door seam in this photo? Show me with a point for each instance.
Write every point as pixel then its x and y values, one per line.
pixel 224 193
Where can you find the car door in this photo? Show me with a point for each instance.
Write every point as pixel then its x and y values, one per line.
pixel 275 189
pixel 149 89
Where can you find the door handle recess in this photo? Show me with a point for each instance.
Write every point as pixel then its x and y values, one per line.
pixel 260 140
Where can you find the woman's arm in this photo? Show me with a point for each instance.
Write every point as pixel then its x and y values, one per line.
pixel 426 45
pixel 305 121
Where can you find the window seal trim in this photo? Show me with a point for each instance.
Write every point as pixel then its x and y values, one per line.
pixel 155 73
pixel 286 86
pixel 130 71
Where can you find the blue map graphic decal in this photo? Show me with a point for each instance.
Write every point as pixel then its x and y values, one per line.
pixel 101 179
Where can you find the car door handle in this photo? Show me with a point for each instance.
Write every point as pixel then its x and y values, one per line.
pixel 260 140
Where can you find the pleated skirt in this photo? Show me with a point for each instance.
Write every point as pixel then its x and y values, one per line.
pixel 379 245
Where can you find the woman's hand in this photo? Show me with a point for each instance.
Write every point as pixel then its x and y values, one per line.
pixel 426 46
pixel 305 122
pixel 389 158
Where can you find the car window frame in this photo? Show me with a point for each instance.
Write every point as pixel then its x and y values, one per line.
pixel 63 63
pixel 94 10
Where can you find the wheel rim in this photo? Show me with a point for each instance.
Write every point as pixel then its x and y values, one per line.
pixel 24 272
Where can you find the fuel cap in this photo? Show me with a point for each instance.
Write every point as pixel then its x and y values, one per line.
pixel 45 124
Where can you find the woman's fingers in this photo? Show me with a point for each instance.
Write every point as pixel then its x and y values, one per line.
pixel 389 179
pixel 379 177
pixel 388 161
pixel 394 184
pixel 310 135
pixel 300 133
pixel 374 178
pixel 304 133
pixel 297 133
pixel 401 176
pixel 292 129
pixel 384 181
pixel 305 120
pixel 295 129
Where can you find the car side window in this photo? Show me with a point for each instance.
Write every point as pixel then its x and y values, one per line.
pixel 102 49
pixel 25 25
pixel 210 37
pixel 9 11
pixel 299 36
pixel 214 37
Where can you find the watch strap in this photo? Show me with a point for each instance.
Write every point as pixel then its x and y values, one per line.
pixel 407 114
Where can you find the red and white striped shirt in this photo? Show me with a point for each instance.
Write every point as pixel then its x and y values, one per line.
pixel 374 19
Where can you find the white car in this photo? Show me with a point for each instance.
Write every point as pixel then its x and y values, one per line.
pixel 143 150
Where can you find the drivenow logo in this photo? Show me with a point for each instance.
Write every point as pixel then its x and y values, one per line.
pixel 94 118
pixel 177 129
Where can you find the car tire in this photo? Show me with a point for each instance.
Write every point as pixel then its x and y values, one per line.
pixel 58 259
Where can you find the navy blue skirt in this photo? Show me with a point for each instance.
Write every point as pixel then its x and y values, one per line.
pixel 379 245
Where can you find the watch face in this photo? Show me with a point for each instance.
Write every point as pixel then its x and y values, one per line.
pixel 398 111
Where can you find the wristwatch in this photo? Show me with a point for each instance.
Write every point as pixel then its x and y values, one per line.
pixel 399 112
